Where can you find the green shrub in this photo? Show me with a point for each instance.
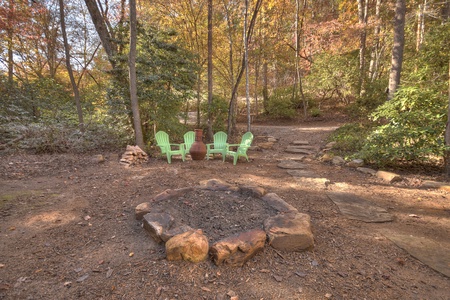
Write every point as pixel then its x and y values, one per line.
pixel 280 104
pixel 413 129
pixel 350 138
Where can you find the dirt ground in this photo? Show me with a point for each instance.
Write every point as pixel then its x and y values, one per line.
pixel 68 228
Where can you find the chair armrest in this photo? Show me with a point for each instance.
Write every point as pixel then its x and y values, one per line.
pixel 232 145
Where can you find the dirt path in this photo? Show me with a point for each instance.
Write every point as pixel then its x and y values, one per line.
pixel 68 231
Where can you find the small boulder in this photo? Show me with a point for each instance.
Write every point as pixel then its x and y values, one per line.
pixel 156 223
pixel 290 232
pixel 217 185
pixel 355 163
pixel 388 176
pixel 277 203
pixel 367 171
pixel 168 234
pixel 337 161
pixel 141 210
pixel 237 250
pixel 250 190
pixel 266 145
pixel 190 246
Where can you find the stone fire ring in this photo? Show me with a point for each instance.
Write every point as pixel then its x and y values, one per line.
pixel 289 230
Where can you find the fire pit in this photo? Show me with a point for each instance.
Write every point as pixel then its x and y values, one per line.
pixel 231 223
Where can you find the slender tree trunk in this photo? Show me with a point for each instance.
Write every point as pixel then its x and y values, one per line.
pixel 447 129
pixel 232 125
pixel 375 53
pixel 420 25
pixel 10 35
pixel 265 91
pixel 255 92
pixel 69 67
pixel 231 115
pixel 101 27
pixel 247 83
pixel 397 49
pixel 132 74
pixel 362 16
pixel 210 69
pixel 298 86
pixel 199 96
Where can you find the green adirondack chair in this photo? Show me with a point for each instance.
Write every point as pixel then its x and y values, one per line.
pixel 162 141
pixel 219 145
pixel 242 148
pixel 189 139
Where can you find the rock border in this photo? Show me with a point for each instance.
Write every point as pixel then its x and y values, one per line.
pixel 289 230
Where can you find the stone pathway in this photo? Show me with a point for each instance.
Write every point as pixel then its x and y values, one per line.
pixel 432 253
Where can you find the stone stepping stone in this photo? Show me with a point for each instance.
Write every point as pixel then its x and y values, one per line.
pixel 303 147
pixel 428 184
pixel 313 182
pixel 291 157
pixel 434 254
pixel 302 173
pixel 290 164
pixel 300 143
pixel 298 150
pixel 357 208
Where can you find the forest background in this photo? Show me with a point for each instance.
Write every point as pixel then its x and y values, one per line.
pixel 82 75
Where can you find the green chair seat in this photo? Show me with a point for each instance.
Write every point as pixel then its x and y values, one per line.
pixel 162 141
pixel 241 149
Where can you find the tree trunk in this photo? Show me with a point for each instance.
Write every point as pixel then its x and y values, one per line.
pixel 231 116
pixel 69 66
pixel 376 48
pixel 397 49
pixel 132 73
pixel 209 132
pixel 420 25
pixel 298 87
pixel 362 17
pixel 247 87
pixel 231 123
pixel 10 35
pixel 102 30
pixel 265 91
pixel 447 130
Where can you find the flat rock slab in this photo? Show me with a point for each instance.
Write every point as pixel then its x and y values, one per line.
pixel 291 157
pixel 434 254
pixel 428 184
pixel 313 182
pixel 300 143
pixel 290 164
pixel 277 203
pixel 298 150
pixel 302 173
pixel 357 208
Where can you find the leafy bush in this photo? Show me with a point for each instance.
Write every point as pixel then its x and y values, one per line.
pixel 280 104
pixel 350 138
pixel 413 130
pixel 42 138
